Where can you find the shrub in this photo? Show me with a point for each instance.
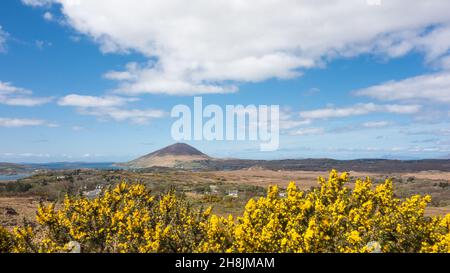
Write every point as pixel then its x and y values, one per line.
pixel 6 242
pixel 124 219
pixel 334 218
pixel 17 187
pixel 330 218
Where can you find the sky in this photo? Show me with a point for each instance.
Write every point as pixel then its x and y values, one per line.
pixel 93 81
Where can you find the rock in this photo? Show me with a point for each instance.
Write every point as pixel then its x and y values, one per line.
pixel 375 246
pixel 73 247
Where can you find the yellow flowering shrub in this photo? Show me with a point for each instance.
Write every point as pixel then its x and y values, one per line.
pixel 329 218
pixel 19 241
pixel 334 218
pixel 126 218
pixel 6 241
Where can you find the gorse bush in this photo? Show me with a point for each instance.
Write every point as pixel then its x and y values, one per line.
pixel 6 241
pixel 124 219
pixel 334 218
pixel 330 218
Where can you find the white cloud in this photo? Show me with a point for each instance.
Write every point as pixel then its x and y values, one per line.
pixel 32 155
pixel 211 46
pixel 24 155
pixel 38 3
pixel 42 44
pixel 358 110
pixel 363 126
pixel 311 92
pixel 48 16
pixel 8 88
pixel 16 122
pixel 17 96
pixel 3 36
pixel 376 124
pixel 308 131
pixel 433 132
pixel 292 123
pixel 290 120
pixel 134 115
pixel 432 87
pixel 75 38
pixel 52 125
pixel 23 101
pixel 110 107
pixel 92 101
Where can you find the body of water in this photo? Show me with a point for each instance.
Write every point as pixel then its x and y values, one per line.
pixel 75 166
pixel 13 177
pixel 60 166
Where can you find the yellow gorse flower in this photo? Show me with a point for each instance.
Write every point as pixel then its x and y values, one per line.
pixel 331 218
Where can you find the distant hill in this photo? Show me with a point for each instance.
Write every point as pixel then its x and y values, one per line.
pixel 324 164
pixel 179 155
pixel 184 156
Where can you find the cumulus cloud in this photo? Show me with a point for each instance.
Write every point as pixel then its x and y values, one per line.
pixel 110 107
pixel 17 96
pixel 432 88
pixel 358 110
pixel 211 46
pixel 137 80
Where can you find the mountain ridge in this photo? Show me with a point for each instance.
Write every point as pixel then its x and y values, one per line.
pixel 184 156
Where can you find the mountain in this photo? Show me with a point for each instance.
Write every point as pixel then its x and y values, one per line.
pixel 179 155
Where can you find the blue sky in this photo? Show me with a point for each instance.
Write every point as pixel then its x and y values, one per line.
pixel 93 81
